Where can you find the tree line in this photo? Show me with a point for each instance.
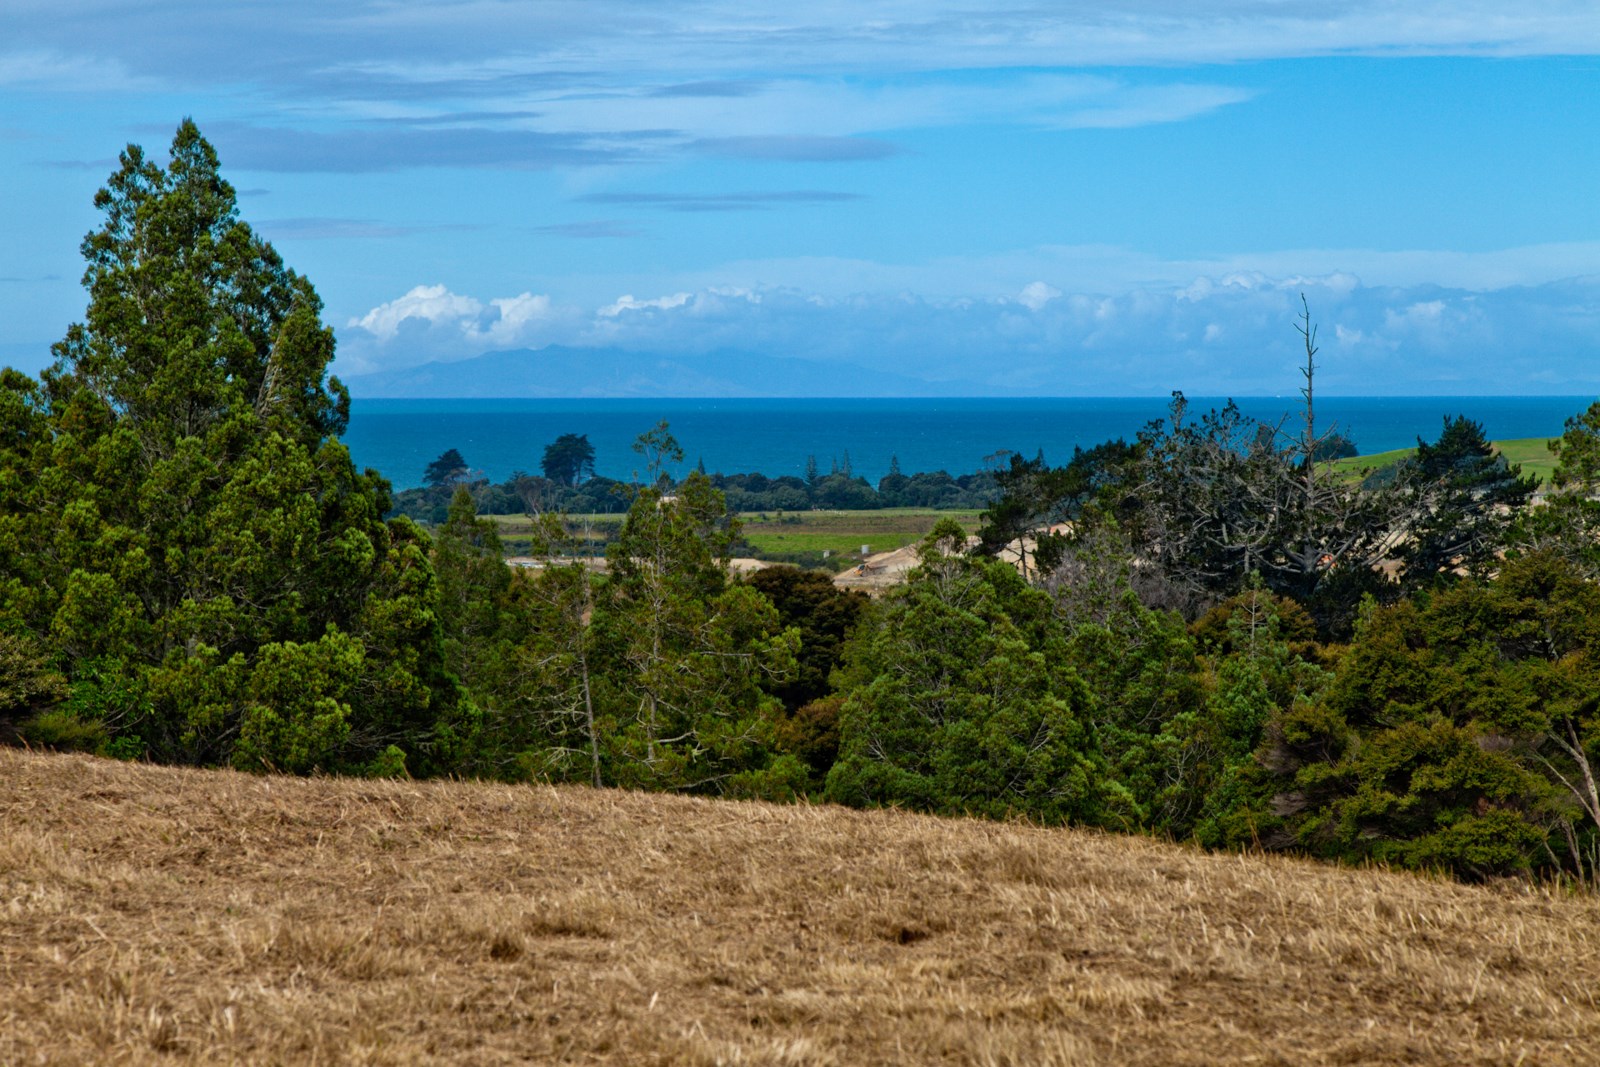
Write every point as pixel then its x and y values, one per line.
pixel 1206 634
pixel 567 483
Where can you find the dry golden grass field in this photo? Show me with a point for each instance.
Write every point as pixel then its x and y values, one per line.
pixel 154 915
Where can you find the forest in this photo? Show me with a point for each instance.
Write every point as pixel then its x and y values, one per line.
pixel 1211 634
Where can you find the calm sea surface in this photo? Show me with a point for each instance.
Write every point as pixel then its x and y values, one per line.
pixel 497 437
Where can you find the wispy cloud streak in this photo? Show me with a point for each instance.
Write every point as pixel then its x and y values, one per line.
pixel 701 202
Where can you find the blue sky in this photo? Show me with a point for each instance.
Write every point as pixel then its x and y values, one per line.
pixel 1059 199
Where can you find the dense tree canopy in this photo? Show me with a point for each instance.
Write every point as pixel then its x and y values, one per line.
pixel 961 699
pixel 1459 731
pixel 1471 495
pixel 183 530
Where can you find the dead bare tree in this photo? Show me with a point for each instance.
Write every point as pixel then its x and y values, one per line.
pixel 1225 496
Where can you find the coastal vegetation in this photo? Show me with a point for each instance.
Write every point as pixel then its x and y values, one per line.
pixel 1214 633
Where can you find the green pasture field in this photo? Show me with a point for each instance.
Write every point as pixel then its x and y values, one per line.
pixel 521 525
pixel 516 530
pixel 797 536
pixel 842 533
pixel 1533 453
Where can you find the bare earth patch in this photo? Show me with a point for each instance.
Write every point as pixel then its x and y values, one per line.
pixel 152 915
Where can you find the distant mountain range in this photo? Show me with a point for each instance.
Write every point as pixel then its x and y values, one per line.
pixel 560 371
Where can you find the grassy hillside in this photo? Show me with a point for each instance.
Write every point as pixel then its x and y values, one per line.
pixel 1533 453
pixel 155 915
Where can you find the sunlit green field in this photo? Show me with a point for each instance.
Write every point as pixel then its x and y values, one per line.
pixel 795 536
pixel 516 530
pixel 1533 453
pixel 842 533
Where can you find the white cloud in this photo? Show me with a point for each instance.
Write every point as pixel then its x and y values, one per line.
pixel 517 315
pixel 1429 311
pixel 429 322
pixel 1441 325
pixel 429 303
pixel 628 303
pixel 1350 337
pixel 1036 295
pixel 1127 320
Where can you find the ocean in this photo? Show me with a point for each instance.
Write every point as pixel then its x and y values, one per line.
pixel 775 437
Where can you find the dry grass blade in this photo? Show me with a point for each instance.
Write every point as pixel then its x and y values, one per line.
pixel 155 915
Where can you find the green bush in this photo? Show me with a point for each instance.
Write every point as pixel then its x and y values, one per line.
pixel 63 731
pixel 27 684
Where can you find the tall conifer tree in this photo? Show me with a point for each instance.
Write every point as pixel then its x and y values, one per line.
pixel 204 561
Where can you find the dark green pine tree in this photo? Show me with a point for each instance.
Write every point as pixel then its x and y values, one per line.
pixel 959 698
pixel 569 459
pixel 1569 524
pixel 449 469
pixel 1472 494
pixel 196 549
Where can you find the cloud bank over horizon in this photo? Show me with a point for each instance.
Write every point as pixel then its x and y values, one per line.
pixel 1226 335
